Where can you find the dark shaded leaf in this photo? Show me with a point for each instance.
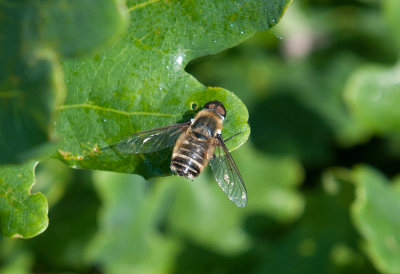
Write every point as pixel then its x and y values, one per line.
pixel 33 36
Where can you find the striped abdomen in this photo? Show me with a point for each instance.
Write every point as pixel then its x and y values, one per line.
pixel 190 154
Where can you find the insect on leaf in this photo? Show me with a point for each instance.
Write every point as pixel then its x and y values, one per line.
pixel 140 83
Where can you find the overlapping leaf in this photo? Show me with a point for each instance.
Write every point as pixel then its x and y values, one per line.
pixel 140 83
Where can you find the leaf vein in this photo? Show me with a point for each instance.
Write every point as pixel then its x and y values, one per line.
pixel 141 5
pixel 144 113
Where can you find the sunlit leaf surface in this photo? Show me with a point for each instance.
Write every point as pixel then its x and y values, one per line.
pixel 136 84
pixel 140 82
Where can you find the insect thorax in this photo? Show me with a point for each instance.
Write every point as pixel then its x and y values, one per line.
pixel 207 123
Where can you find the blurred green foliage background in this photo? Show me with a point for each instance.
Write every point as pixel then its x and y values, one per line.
pixel 322 89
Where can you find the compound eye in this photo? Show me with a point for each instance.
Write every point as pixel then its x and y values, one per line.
pixel 221 110
pixel 210 105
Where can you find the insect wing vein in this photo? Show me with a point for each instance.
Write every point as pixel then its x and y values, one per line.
pixel 151 140
pixel 227 175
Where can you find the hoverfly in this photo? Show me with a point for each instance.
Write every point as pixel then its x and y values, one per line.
pixel 196 143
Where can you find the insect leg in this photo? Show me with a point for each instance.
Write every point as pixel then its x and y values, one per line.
pixel 226 140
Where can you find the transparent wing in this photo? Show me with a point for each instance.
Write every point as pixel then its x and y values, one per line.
pixel 227 175
pixel 151 140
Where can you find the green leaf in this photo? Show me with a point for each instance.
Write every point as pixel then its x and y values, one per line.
pixel 140 83
pixel 33 36
pixel 373 95
pixel 22 214
pixel 132 209
pixel 376 214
